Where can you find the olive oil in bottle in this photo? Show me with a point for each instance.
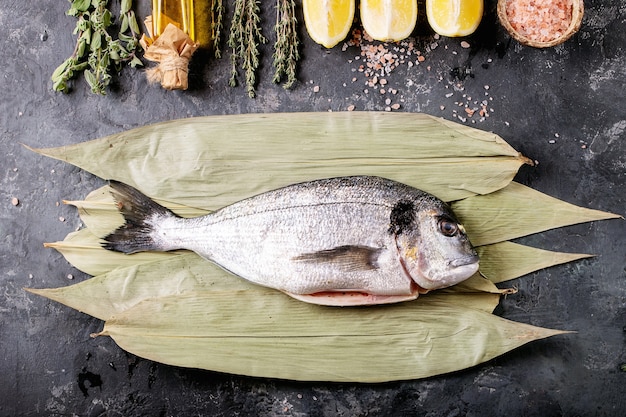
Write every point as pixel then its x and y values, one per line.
pixel 194 17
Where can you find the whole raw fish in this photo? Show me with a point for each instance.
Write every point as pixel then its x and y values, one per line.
pixel 339 241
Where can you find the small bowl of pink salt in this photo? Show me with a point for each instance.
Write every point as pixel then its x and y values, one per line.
pixel 541 23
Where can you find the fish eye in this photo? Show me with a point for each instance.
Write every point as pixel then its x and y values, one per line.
pixel 448 227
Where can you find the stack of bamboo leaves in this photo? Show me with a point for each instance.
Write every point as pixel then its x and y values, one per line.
pixel 179 309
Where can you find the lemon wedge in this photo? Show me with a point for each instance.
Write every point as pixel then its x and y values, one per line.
pixel 454 17
pixel 328 21
pixel 389 20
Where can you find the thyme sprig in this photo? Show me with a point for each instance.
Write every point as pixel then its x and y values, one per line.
pixel 245 36
pixel 286 53
pixel 217 26
pixel 96 52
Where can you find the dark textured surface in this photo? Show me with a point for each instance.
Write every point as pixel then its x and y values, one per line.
pixel 563 107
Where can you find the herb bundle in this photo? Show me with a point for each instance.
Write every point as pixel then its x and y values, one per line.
pixel 97 52
pixel 286 53
pixel 217 9
pixel 245 36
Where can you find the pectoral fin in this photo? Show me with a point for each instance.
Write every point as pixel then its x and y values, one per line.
pixel 346 258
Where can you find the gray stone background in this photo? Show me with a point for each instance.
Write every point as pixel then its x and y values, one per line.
pixel 563 107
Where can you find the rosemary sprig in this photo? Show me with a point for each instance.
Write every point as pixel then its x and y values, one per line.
pixel 245 35
pixel 96 51
pixel 286 53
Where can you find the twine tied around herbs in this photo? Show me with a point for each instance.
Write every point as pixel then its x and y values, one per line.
pixel 172 50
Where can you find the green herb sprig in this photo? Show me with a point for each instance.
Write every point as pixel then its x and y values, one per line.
pixel 245 36
pixel 96 52
pixel 217 26
pixel 286 53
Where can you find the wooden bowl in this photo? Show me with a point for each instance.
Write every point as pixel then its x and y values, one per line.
pixel 577 17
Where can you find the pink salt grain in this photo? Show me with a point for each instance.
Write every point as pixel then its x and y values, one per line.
pixel 540 20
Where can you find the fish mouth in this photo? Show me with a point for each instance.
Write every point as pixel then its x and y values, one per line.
pixel 464 261
pixel 463 272
pixel 458 270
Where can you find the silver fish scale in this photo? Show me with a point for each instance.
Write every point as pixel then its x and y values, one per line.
pixel 263 238
pixel 357 189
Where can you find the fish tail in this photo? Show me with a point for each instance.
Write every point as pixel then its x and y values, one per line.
pixel 142 217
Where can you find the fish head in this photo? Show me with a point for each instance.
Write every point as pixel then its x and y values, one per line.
pixel 434 248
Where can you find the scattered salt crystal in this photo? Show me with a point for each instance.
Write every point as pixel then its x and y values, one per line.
pixel 388 101
pixel 551 141
pixel 70 276
pixel 351 107
pixel 465 44
pixel 395 106
pixel 15 201
pixel 316 89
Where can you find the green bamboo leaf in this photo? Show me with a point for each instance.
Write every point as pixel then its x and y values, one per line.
pixel 83 250
pixel 108 294
pixel 507 260
pixel 206 161
pixel 173 312
pixel 100 214
pixel 517 211
pixel 121 288
pixel 274 336
pixel 152 302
